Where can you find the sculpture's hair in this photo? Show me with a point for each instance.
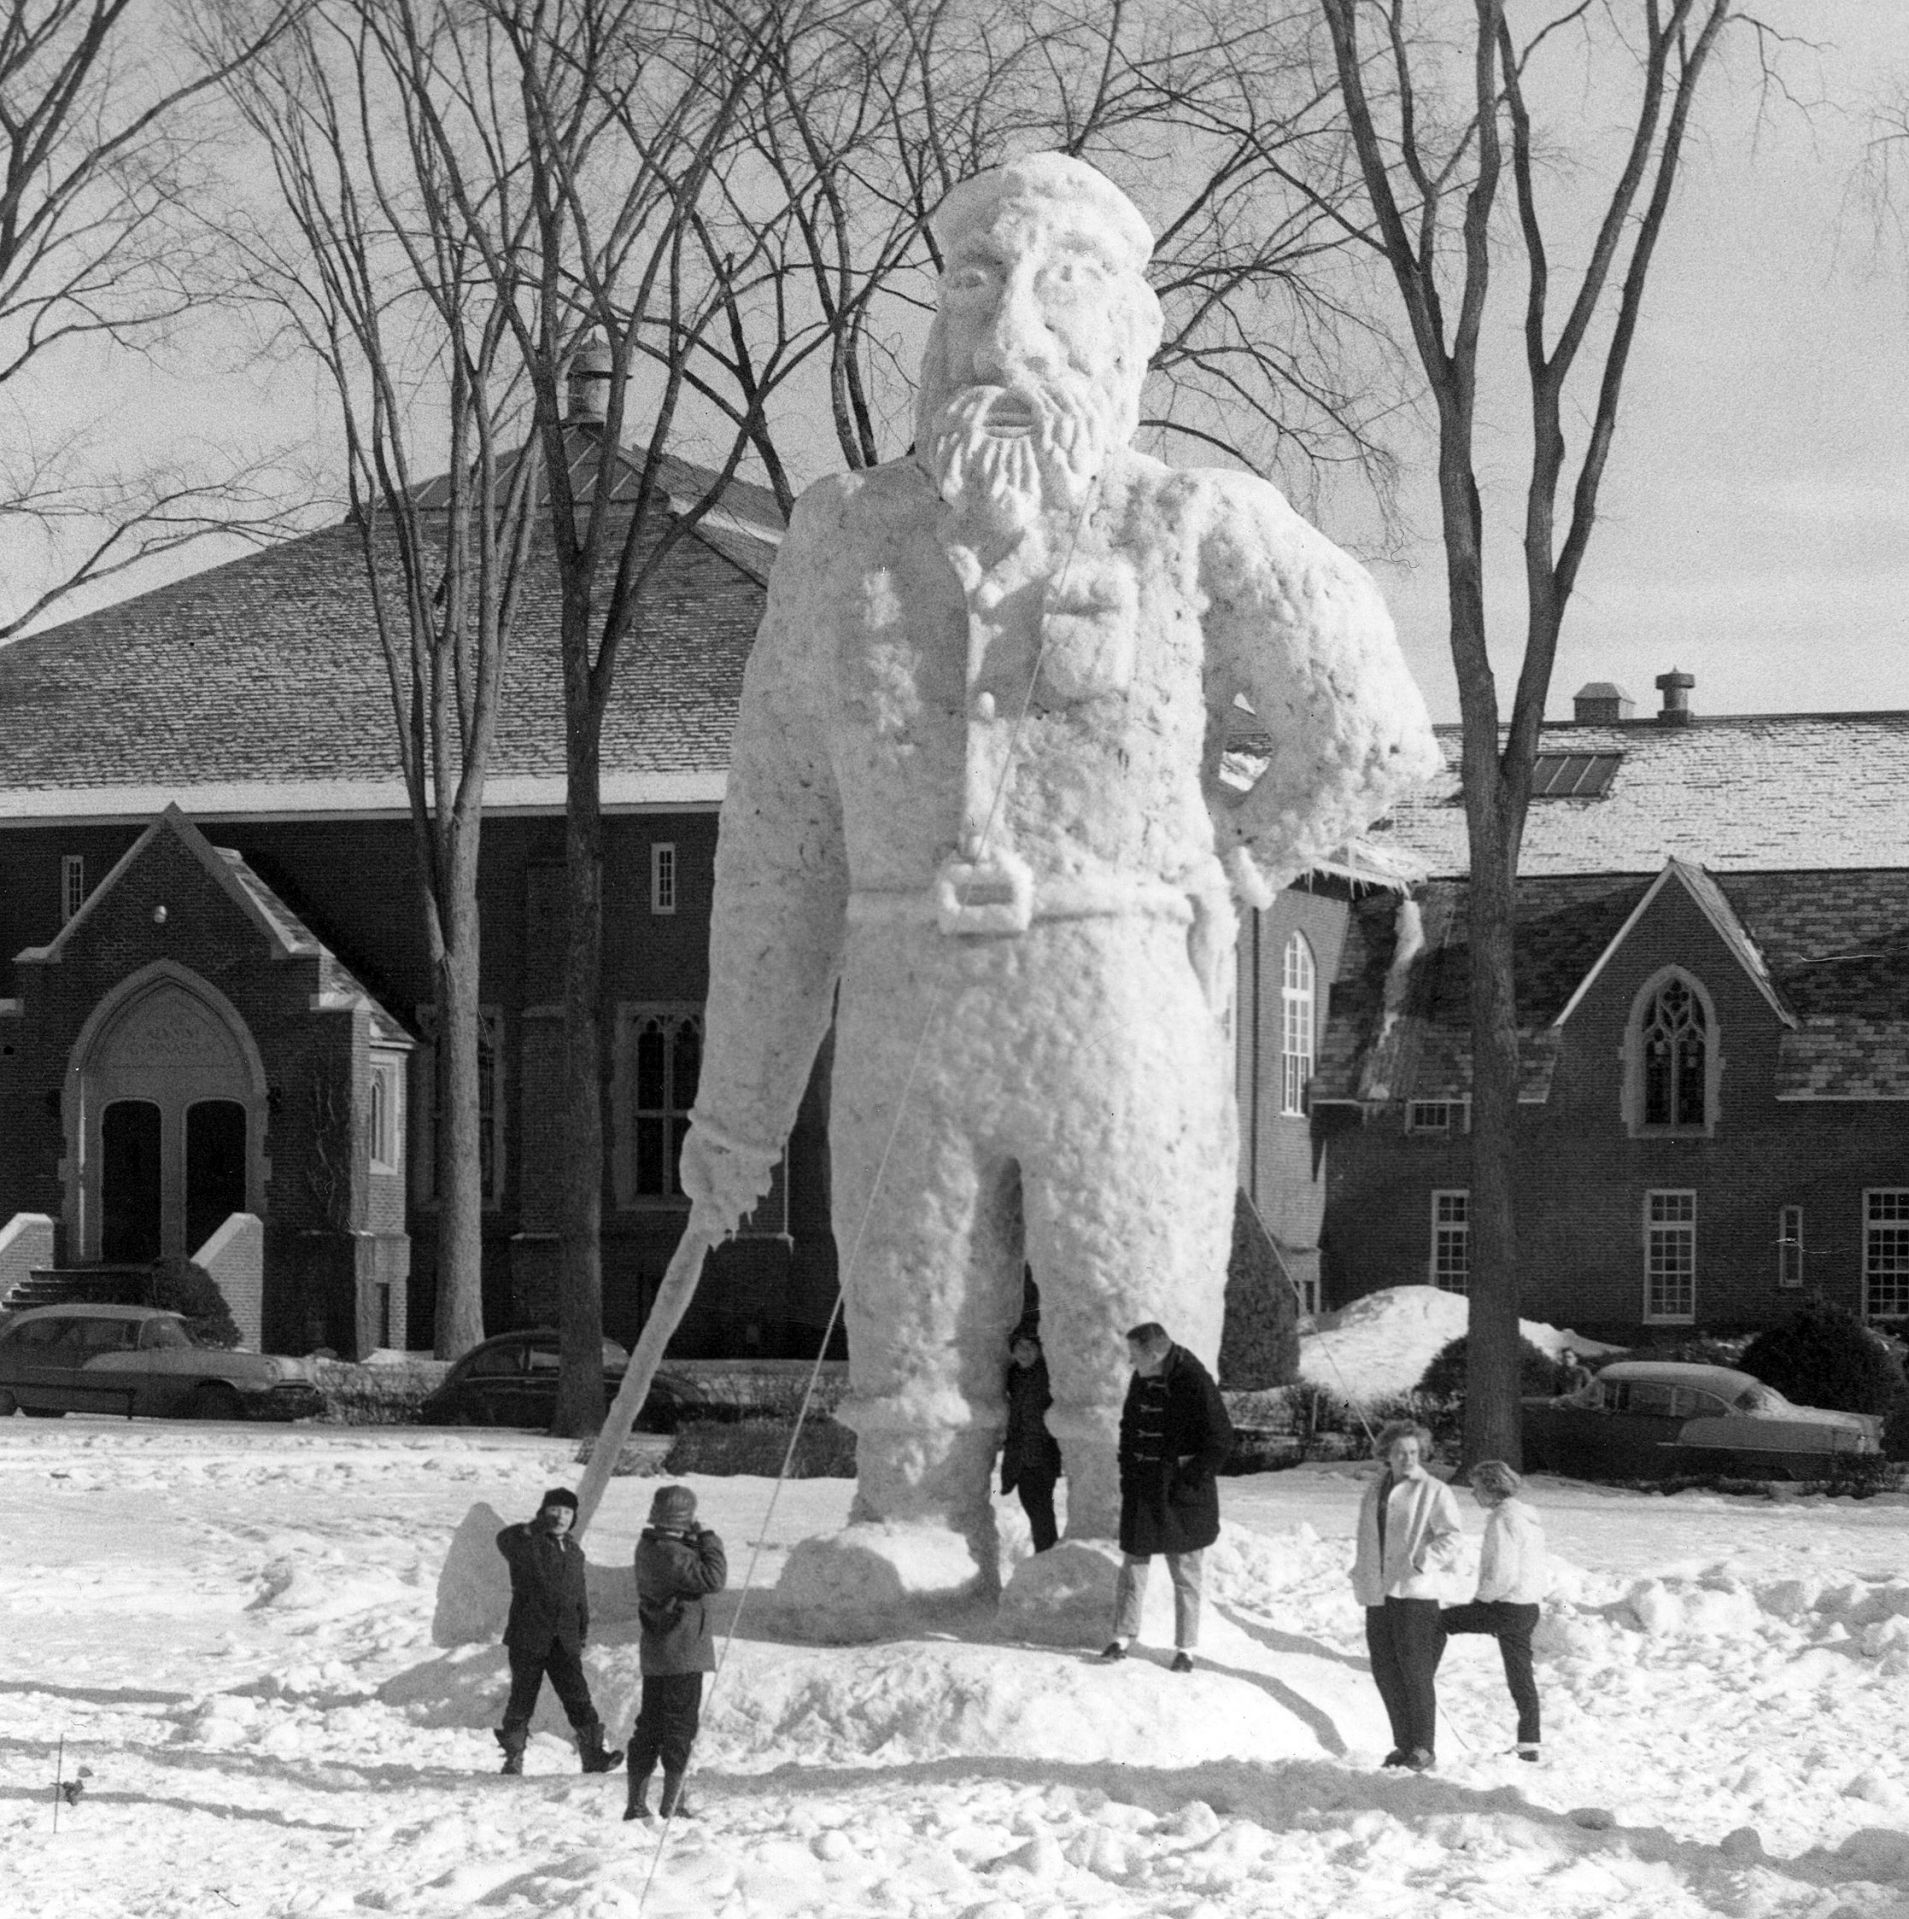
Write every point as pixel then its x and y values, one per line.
pixel 1150 1334
pixel 1496 1480
pixel 1396 1429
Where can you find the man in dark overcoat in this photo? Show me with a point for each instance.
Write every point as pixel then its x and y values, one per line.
pixel 1174 1438
pixel 549 1621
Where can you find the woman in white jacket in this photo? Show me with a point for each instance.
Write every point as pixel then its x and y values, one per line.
pixel 1408 1544
pixel 1511 1583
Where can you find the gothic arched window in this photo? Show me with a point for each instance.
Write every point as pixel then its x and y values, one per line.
pixel 1674 1056
pixel 1296 1024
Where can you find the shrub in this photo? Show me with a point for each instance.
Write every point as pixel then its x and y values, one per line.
pixel 191 1292
pixel 724 1449
pixel 1823 1355
pixel 1444 1379
pixel 357 1395
pixel 1895 1431
pixel 1259 1345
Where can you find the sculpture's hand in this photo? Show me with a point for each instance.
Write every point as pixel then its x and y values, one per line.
pixel 723 1178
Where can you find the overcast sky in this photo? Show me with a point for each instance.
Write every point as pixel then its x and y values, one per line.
pixel 1755 519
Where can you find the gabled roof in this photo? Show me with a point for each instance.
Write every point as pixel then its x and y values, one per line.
pixel 258 689
pixel 1722 917
pixel 284 933
pixel 1833 947
pixel 1735 794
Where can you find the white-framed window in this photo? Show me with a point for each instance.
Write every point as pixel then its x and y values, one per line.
pixel 1671 1057
pixel 384 1112
pixel 1789 1246
pixel 1451 1263
pixel 1886 1252
pixel 490 1106
pixel 662 876
pixel 1296 1023
pixel 1670 1256
pixel 659 1059
pixel 72 885
pixel 1438 1115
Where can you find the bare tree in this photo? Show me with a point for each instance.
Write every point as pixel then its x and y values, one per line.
pixel 104 151
pixel 371 268
pixel 859 119
pixel 1443 102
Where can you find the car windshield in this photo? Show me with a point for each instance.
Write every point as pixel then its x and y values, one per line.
pixel 1760 1399
pixel 163 1332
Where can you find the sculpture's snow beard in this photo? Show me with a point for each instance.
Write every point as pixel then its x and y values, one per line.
pixel 1014 453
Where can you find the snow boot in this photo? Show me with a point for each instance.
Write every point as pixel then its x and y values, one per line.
pixel 513 1739
pixel 590 1749
pixel 674 1804
pixel 639 1806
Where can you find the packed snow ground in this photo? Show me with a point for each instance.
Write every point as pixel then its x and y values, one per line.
pixel 231 1629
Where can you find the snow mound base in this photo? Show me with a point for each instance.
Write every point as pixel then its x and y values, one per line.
pixel 873 1578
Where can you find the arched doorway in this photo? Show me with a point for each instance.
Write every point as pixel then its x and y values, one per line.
pixel 169 1117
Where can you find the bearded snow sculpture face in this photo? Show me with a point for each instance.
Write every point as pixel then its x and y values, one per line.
pixel 1041 340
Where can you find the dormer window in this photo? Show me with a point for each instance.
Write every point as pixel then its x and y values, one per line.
pixel 1671 1058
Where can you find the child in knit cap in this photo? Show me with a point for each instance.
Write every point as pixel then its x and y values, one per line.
pixel 678 1564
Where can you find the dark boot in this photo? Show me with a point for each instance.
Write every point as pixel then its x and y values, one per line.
pixel 639 1805
pixel 591 1751
pixel 513 1739
pixel 674 1804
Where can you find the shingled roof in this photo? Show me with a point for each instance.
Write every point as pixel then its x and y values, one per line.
pixel 258 687
pixel 1761 791
pixel 1833 948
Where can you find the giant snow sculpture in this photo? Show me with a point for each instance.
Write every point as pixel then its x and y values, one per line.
pixel 976 787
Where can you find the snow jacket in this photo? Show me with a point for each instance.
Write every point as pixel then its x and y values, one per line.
pixel 1029 1452
pixel 1165 1506
pixel 1422 1541
pixel 1511 1561
pixel 674 1571
pixel 549 1604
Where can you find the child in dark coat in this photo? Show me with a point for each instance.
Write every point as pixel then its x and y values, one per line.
pixel 678 1564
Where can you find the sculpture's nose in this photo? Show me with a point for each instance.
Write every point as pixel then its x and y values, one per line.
pixel 1016 340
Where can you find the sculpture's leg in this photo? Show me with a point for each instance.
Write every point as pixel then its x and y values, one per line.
pixel 1129 1196
pixel 932 1287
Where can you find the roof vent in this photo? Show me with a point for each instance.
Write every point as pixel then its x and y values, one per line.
pixel 1675 687
pixel 1601 703
pixel 588 399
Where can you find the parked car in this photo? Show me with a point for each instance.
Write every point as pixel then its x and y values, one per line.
pixel 140 1359
pixel 511 1380
pixel 1651 1418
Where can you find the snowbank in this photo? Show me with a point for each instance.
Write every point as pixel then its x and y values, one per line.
pixel 1382 1343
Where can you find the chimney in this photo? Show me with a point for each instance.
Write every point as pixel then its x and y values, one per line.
pixel 1675 688
pixel 587 401
pixel 1601 703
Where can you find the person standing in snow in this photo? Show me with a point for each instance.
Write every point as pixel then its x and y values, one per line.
pixel 1030 1455
pixel 1409 1533
pixel 678 1564
pixel 1574 1377
pixel 544 1635
pixel 1174 1438
pixel 1511 1583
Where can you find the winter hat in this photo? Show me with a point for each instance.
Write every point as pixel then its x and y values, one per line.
pixel 558 1496
pixel 673 1506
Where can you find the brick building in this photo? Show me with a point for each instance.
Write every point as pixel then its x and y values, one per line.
pixel 214 989
pixel 1713 991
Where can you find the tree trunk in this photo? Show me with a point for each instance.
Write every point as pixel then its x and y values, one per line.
pixel 580 1243
pixel 460 1173
pixel 1492 1374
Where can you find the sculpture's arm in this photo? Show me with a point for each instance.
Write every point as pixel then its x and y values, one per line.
pixel 1299 629
pixel 776 926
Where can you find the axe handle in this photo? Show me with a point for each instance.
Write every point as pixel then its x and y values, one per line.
pixel 666 1314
